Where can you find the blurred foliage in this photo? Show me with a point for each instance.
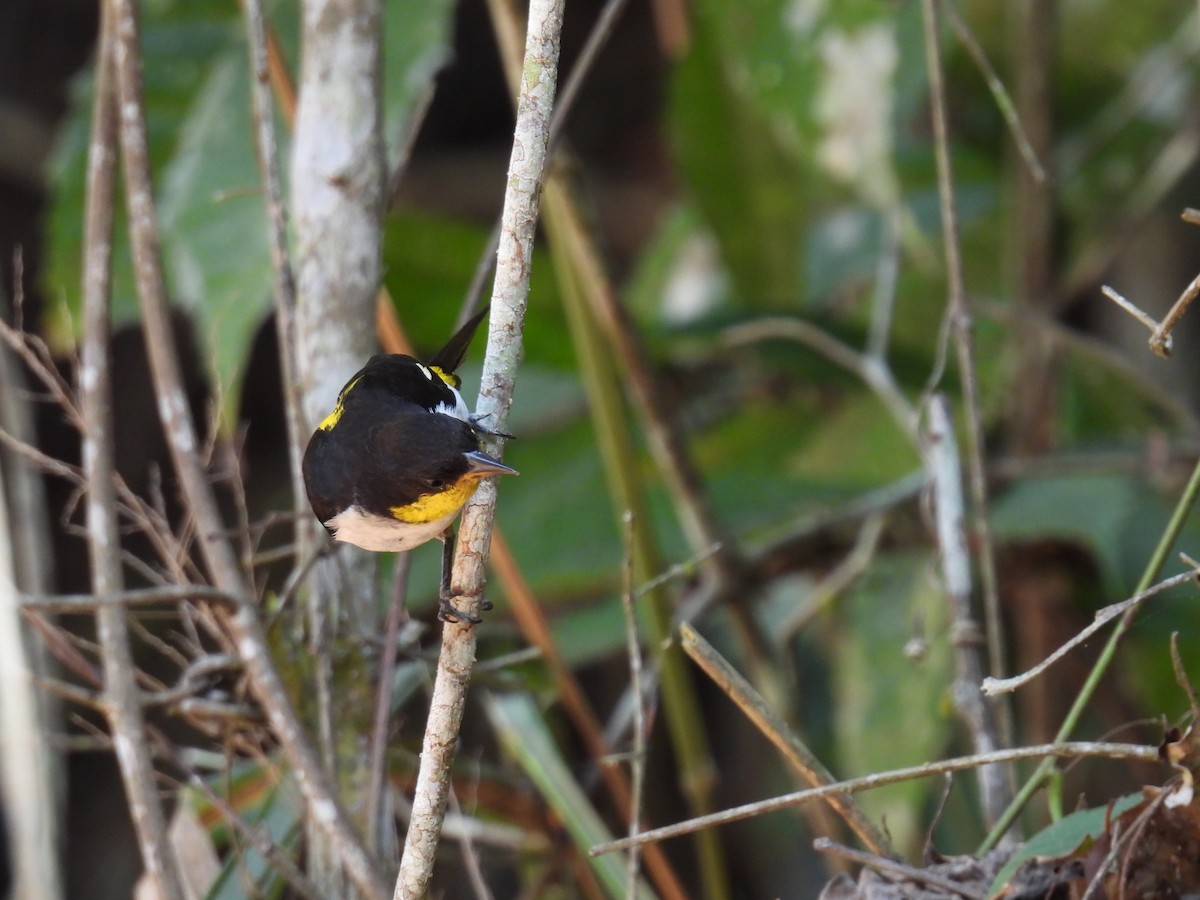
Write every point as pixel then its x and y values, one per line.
pixel 211 208
pixel 800 139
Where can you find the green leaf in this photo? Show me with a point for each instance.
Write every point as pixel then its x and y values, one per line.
pixel 521 730
pixel 745 183
pixel 429 260
pixel 891 706
pixel 212 217
pixel 1064 837
pixel 781 108
pixel 179 42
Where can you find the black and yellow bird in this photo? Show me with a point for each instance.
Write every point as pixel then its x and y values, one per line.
pixel 400 455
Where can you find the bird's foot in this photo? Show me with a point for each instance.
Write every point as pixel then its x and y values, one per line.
pixel 477 420
pixel 448 612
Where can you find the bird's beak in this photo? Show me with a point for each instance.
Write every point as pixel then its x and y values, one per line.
pixel 480 465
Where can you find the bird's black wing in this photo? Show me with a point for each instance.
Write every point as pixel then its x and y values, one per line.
pixel 450 357
pixel 412 454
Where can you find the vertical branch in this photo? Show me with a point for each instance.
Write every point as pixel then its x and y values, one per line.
pixel 605 345
pixel 637 756
pixel 121 696
pixel 338 174
pixel 338 183
pixel 509 296
pixel 323 806
pixel 960 329
pixel 26 768
pixel 1034 398
pixel 30 771
pixel 943 463
pixel 284 287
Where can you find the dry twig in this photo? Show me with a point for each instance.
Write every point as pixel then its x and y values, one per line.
pixel 880 779
pixel 122 699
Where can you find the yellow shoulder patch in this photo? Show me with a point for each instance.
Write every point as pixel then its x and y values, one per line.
pixel 330 420
pixel 449 377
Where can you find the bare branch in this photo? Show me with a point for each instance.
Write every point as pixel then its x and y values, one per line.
pixel 941 454
pixel 1074 749
pixel 284 286
pixel 993 686
pixel 959 318
pixel 122 699
pixel 637 761
pixel 509 297
pixel 173 593
pixel 779 733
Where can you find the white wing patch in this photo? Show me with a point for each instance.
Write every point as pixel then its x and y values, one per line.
pixel 458 410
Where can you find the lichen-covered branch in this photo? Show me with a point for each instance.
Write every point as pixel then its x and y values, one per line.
pixel 509 295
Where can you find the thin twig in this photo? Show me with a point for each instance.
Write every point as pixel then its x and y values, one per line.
pixel 509 298
pixel 284 284
pixel 256 836
pixel 868 368
pixel 637 761
pixel 838 579
pixel 380 832
pixel 999 93
pixel 1069 750
pixel 171 593
pixel 992 686
pixel 907 872
pixel 508 36
pixel 779 733
pixel 531 619
pixel 1181 676
pixel 601 31
pixel 959 317
pixel 466 845
pixel 122 700
pixel 1160 341
pixel 1132 308
pixel 1179 516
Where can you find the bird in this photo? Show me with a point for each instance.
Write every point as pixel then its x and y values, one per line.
pixel 400 454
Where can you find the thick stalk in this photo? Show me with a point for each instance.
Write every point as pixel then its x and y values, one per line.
pixel 338 185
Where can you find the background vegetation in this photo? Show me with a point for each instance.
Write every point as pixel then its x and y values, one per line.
pixel 756 184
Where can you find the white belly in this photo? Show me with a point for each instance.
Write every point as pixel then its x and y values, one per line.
pixel 381 535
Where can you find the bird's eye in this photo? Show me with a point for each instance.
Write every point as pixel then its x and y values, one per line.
pixel 437 484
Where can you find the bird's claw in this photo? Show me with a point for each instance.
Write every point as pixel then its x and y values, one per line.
pixel 477 424
pixel 448 612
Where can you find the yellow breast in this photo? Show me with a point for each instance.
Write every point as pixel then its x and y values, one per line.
pixel 432 507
